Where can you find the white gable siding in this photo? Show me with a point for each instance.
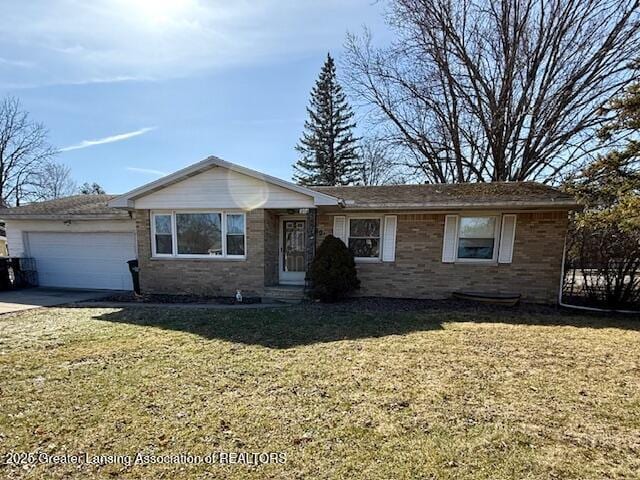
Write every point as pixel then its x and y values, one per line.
pixel 223 188
pixel 17 228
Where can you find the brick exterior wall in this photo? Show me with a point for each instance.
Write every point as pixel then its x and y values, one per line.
pixel 418 271
pixel 203 276
pixel 271 248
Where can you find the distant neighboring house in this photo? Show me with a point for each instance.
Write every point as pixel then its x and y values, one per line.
pixel 216 227
pixel 3 241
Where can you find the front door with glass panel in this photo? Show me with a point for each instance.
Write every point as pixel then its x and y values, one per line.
pixel 292 246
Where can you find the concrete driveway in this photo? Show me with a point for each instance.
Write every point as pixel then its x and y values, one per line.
pixel 17 300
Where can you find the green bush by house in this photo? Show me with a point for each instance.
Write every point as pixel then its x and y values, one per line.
pixel 333 271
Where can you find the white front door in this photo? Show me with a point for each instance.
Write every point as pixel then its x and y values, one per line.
pixel 292 248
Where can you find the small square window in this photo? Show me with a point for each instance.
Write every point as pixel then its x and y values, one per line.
pixel 364 237
pixel 476 238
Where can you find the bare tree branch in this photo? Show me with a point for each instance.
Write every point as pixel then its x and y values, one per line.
pixel 379 162
pixel 486 90
pixel 24 150
pixel 53 181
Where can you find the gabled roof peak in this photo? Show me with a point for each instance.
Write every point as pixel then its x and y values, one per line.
pixel 127 200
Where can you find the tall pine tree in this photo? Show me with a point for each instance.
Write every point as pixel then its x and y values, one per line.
pixel 327 148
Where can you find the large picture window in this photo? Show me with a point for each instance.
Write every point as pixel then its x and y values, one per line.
pixel 477 238
pixel 198 234
pixel 364 237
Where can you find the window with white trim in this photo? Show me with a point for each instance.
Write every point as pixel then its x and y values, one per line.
pixel 363 237
pixel 235 234
pixel 199 234
pixel 163 236
pixel 477 238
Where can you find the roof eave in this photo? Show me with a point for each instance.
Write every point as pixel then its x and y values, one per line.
pixel 41 216
pixel 560 204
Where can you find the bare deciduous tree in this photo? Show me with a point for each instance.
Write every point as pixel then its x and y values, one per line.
pixel 379 163
pixel 483 90
pixel 24 149
pixel 53 181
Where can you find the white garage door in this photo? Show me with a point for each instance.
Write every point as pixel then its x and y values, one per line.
pixel 83 260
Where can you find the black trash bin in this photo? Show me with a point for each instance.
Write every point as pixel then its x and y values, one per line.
pixel 135 275
pixel 7 274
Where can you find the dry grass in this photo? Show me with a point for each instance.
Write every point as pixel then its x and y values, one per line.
pixel 344 394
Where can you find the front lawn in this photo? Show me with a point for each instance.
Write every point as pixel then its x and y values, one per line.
pixel 342 391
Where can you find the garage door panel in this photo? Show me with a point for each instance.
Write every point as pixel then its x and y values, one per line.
pixel 83 260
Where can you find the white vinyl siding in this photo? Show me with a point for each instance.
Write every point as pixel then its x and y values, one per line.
pixel 225 189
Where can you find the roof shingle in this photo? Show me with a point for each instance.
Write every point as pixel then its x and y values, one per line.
pixel 451 195
pixel 89 206
pixel 429 196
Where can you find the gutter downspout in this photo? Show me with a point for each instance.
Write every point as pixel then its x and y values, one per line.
pixel 577 307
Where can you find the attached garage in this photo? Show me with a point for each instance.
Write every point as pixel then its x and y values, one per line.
pixel 83 260
pixel 77 242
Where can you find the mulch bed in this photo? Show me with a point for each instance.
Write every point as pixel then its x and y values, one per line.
pixel 369 305
pixel 394 305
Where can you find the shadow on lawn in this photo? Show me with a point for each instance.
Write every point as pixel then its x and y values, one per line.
pixel 304 325
pixel 273 328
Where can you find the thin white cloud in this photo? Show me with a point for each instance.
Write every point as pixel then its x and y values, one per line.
pixel 87 81
pixel 74 43
pixel 149 171
pixel 111 139
pixel 16 63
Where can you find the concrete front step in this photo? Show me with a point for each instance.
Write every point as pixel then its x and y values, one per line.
pixel 285 293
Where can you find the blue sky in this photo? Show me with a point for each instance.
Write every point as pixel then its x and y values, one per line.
pixel 132 89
